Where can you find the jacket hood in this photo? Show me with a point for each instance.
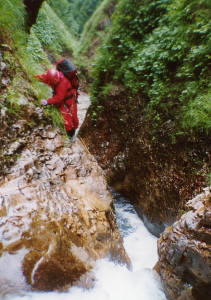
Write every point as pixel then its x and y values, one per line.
pixel 52 77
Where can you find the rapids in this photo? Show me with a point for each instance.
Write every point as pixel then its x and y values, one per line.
pixel 114 281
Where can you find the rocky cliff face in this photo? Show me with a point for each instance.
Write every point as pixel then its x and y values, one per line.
pixel 185 253
pixel 158 177
pixel 56 215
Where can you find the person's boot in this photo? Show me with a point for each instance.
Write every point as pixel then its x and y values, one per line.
pixel 71 133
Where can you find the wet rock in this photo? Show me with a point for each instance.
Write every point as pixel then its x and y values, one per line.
pixel 15 146
pixel 56 215
pixel 39 112
pixel 3 112
pixel 3 66
pixel 22 100
pixel 5 47
pixel 49 133
pixel 15 131
pixel 5 81
pixel 185 253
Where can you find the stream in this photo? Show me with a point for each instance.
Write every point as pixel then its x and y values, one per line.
pixel 114 281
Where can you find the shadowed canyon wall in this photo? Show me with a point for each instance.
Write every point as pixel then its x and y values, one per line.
pixel 32 8
pixel 150 113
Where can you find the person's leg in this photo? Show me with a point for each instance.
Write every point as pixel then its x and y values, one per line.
pixel 68 120
pixel 74 119
pixel 74 113
pixel 71 133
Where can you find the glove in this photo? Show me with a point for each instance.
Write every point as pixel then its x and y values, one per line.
pixel 44 102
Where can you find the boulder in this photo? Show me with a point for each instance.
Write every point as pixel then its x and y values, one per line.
pixel 56 216
pixel 185 253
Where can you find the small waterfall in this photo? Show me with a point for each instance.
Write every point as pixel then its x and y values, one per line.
pixel 116 282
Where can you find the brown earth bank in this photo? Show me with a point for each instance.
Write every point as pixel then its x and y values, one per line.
pixel 157 175
pixel 185 253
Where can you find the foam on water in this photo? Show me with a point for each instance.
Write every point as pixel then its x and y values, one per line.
pixel 140 245
pixel 116 282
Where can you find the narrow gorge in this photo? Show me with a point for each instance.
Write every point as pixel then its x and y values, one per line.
pixel 122 210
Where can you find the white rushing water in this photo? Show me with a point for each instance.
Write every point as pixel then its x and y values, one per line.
pixel 116 282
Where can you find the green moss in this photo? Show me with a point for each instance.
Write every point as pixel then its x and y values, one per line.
pixel 181 212
pixel 53 113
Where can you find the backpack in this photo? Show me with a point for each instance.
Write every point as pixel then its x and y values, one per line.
pixel 69 71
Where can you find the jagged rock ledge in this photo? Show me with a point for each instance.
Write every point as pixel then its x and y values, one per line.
pixel 56 215
pixel 185 253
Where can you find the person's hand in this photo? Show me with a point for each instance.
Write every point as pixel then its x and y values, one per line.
pixel 44 102
pixel 38 76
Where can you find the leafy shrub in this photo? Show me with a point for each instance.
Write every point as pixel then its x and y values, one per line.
pixel 161 50
pixel 52 32
pixel 82 11
pixel 64 10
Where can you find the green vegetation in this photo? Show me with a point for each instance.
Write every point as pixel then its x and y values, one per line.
pixel 27 55
pixel 63 9
pixel 96 28
pixel 23 60
pixel 53 33
pixel 160 51
pixel 74 13
pixel 82 11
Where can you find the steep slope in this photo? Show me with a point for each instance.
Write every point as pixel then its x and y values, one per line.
pixel 94 33
pixel 150 114
pixel 18 88
pixel 82 11
pixel 54 35
pixel 23 55
pixel 95 29
pixel 64 10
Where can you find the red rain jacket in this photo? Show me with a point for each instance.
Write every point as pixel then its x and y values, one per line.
pixel 65 96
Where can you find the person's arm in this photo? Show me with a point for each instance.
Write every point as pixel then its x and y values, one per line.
pixel 60 93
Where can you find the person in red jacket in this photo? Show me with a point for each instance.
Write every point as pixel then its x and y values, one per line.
pixel 64 97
